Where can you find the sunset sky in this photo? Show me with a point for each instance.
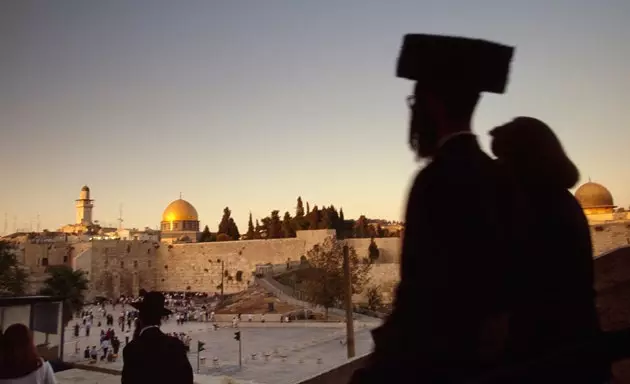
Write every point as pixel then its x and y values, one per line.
pixel 249 104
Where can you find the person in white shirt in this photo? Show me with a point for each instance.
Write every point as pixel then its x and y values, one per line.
pixel 105 345
pixel 20 362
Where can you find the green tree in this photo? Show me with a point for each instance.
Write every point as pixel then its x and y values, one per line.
pixel 251 232
pixel 288 229
pixel 313 218
pixel 258 230
pixel 299 210
pixel 325 285
pixel 373 252
pixel 329 218
pixel 344 229
pixel 308 208
pixel 227 226
pixel 233 230
pixel 374 298
pixel 13 278
pixel 362 228
pixel 224 224
pixel 264 227
pixel 299 221
pixel 64 282
pixel 205 235
pixel 274 229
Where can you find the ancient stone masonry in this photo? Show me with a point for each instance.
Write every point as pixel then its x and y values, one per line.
pixel 116 267
pixel 122 267
pixel 199 267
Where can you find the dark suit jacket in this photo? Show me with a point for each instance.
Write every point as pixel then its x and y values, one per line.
pixel 460 232
pixel 155 358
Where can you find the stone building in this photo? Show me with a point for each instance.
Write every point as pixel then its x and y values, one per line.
pixel 180 223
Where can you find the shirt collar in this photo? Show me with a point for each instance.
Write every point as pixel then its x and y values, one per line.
pixel 147 327
pixel 448 137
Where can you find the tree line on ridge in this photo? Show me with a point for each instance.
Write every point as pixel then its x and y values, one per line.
pixel 276 227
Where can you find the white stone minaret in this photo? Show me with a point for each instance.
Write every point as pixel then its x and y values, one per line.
pixel 84 207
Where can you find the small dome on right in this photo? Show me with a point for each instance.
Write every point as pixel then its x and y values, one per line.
pixel 594 196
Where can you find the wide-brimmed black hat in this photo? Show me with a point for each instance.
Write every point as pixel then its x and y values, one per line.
pixel 152 303
pixel 453 63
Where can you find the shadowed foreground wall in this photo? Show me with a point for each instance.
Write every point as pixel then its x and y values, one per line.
pixel 612 283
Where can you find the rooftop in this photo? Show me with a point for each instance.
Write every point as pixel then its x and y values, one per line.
pixel 11 301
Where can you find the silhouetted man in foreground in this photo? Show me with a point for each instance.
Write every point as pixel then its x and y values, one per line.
pixel 153 357
pixel 449 323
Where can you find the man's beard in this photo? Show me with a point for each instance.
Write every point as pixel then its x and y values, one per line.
pixel 423 135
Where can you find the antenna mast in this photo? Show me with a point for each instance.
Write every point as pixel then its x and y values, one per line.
pixel 120 217
pixel 38 223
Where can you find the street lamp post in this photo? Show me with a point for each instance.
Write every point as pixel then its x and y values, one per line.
pixel 348 299
pixel 349 317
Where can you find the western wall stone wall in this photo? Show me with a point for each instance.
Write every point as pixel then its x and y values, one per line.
pixel 122 267
pixel 199 267
pixel 116 267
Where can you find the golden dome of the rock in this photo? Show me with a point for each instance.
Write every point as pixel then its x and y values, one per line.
pixel 180 210
pixel 594 195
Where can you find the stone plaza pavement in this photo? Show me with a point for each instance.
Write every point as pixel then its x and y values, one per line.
pixel 284 353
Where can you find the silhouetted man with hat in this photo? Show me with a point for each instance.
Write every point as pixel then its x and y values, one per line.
pixel 153 357
pixel 448 322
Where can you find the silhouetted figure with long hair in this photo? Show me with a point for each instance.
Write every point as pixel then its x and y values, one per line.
pixel 19 361
pixel 554 297
pixel 449 320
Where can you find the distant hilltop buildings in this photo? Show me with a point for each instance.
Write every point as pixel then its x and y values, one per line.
pixel 180 220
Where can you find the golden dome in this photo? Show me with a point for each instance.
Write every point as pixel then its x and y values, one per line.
pixel 180 210
pixel 593 195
